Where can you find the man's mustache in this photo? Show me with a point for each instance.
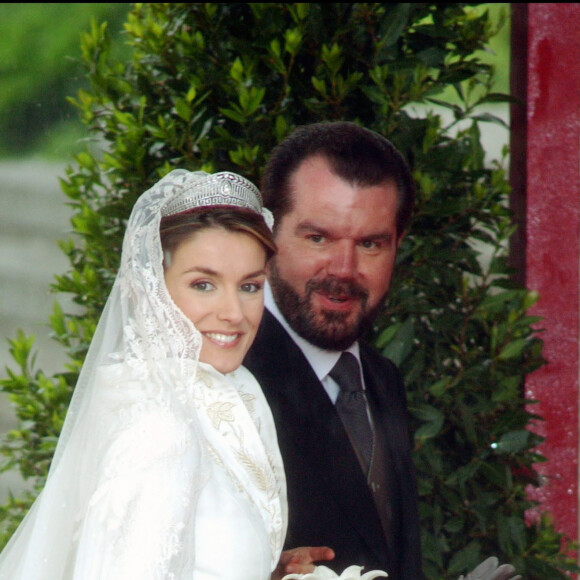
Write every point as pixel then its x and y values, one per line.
pixel 335 286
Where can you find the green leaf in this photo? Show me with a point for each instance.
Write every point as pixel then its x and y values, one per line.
pixel 20 349
pixel 428 430
pixel 319 85
pixel 512 442
pixel 490 118
pixel 511 534
pixel 465 559
pixel 495 473
pixel 438 388
pixel 432 419
pixel 292 40
pixel 237 71
pixel 234 115
pixel 85 160
pixel 394 24
pixel 387 335
pixel 401 344
pixel 183 109
pixel 512 349
pixel 251 100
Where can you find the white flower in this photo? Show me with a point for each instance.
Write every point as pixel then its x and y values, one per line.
pixel 324 573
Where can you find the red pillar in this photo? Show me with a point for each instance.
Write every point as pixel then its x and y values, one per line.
pixel 545 174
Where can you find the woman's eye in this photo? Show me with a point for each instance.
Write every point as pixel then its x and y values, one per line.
pixel 252 287
pixel 202 286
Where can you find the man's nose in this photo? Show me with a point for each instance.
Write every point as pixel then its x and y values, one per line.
pixel 342 260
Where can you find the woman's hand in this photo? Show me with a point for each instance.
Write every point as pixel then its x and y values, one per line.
pixel 301 560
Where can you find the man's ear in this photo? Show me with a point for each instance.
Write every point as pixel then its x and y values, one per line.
pixel 400 239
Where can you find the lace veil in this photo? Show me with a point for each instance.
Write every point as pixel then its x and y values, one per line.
pixel 144 349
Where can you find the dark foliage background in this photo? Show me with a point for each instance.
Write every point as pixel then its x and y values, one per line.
pixel 215 87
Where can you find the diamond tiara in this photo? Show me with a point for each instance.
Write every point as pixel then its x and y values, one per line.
pixel 202 189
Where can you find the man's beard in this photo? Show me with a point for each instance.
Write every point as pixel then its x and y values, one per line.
pixel 329 330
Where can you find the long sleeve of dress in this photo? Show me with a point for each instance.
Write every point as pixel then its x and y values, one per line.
pixel 139 519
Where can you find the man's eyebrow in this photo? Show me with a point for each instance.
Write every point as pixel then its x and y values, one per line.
pixel 309 226
pixel 387 237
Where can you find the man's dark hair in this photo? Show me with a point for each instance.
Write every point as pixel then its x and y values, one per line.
pixel 355 154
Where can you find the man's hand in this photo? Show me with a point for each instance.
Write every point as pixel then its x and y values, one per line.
pixel 301 560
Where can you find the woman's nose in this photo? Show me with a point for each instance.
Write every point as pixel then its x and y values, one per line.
pixel 230 307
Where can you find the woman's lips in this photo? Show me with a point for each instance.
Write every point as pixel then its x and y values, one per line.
pixel 224 339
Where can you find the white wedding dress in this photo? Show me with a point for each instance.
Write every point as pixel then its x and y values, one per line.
pixel 165 469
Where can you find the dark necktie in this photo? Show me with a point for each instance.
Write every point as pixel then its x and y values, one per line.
pixel 351 406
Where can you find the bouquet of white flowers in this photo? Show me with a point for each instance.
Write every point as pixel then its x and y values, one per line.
pixel 491 570
pixel 350 573
pixel 488 570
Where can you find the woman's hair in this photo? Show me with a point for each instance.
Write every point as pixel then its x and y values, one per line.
pixel 177 228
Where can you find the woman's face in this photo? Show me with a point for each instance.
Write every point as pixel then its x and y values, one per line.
pixel 216 277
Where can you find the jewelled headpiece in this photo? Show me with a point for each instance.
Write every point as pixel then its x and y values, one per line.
pixel 202 189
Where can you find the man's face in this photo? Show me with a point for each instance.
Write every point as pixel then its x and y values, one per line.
pixel 336 253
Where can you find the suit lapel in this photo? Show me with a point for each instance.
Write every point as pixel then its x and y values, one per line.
pixel 316 427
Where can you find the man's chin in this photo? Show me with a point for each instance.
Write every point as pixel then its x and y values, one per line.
pixel 332 341
pixel 330 331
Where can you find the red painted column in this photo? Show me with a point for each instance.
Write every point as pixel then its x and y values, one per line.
pixel 548 250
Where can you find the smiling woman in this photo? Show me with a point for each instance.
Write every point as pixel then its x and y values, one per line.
pixel 216 276
pixel 155 472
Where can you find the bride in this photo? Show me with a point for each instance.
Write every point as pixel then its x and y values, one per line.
pixel 168 465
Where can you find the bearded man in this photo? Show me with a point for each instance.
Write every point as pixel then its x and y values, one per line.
pixel 342 197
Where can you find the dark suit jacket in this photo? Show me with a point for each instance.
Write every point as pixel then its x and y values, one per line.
pixel 330 502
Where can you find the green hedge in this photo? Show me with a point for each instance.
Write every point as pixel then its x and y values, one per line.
pixel 216 86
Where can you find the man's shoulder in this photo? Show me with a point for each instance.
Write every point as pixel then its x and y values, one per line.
pixel 272 347
pixel 270 334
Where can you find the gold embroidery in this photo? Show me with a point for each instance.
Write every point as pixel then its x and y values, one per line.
pixel 219 412
pixel 248 401
pixel 257 473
